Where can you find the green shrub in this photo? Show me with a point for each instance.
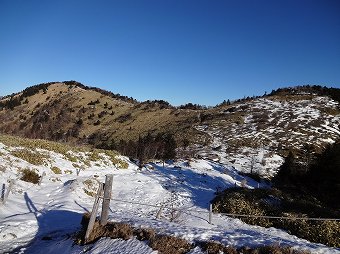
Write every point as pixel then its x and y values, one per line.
pixel 71 158
pixel 37 158
pixel 273 202
pixel 34 158
pixel 326 232
pixel 39 143
pixel 97 154
pixel 56 170
pixel 94 156
pixel 29 176
pixel 238 203
pixel 115 160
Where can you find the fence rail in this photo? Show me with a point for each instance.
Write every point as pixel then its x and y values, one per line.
pixel 104 195
pixel 209 212
pixel 279 217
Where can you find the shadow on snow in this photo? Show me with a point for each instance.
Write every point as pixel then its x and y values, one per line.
pixel 202 187
pixel 55 228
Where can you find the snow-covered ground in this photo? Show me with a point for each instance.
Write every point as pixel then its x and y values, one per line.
pixel 265 126
pixel 42 218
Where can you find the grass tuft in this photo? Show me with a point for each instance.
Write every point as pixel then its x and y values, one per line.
pixel 34 158
pixel 56 170
pixel 29 176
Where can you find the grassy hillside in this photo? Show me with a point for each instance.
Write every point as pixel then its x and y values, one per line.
pixel 36 152
pixel 250 134
pixel 72 113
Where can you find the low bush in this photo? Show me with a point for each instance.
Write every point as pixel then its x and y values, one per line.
pixel 2 168
pixel 29 176
pixel 70 157
pixel 272 249
pixel 56 170
pixel 64 149
pixel 211 247
pixel 34 158
pixel 97 154
pixel 165 244
pixel 144 234
pixel 256 176
pixel 273 202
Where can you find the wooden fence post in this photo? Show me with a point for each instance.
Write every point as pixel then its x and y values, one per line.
pixel 3 192
pixel 8 190
pixel 41 178
pixel 106 200
pixel 94 212
pixel 210 213
pixel 244 183
pixel 159 213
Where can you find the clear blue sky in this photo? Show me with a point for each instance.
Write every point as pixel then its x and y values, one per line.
pixel 177 50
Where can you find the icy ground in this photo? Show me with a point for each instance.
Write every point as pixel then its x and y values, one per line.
pixel 42 218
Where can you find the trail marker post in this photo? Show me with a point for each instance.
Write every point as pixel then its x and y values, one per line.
pixel 3 192
pixel 106 199
pixel 94 212
pixel 159 213
pixel 210 213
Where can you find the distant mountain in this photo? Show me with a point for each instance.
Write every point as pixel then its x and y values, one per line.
pixel 252 134
pixel 71 112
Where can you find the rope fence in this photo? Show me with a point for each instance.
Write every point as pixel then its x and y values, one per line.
pixel 279 217
pixel 104 194
pixel 226 214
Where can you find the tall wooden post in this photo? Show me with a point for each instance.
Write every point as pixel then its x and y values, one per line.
pixel 94 212
pixel 210 213
pixel 7 191
pixel 106 199
pixel 3 192
pixel 159 213
pixel 41 178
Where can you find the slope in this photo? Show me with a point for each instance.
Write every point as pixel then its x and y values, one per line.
pixel 74 113
pixel 252 134
pixel 42 218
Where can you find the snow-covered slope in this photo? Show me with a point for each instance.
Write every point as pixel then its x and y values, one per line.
pixel 41 218
pixel 254 135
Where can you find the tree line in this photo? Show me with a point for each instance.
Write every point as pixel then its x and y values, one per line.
pixel 319 177
pixel 161 146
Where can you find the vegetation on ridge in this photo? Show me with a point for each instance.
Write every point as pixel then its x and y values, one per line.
pixel 303 191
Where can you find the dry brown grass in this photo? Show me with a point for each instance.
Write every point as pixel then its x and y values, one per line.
pixel 65 104
pixel 30 176
pixel 56 170
pixel 166 244
pixel 112 230
pixel 28 151
pixel 212 247
pixel 144 234
pixel 272 249
pixel 35 158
